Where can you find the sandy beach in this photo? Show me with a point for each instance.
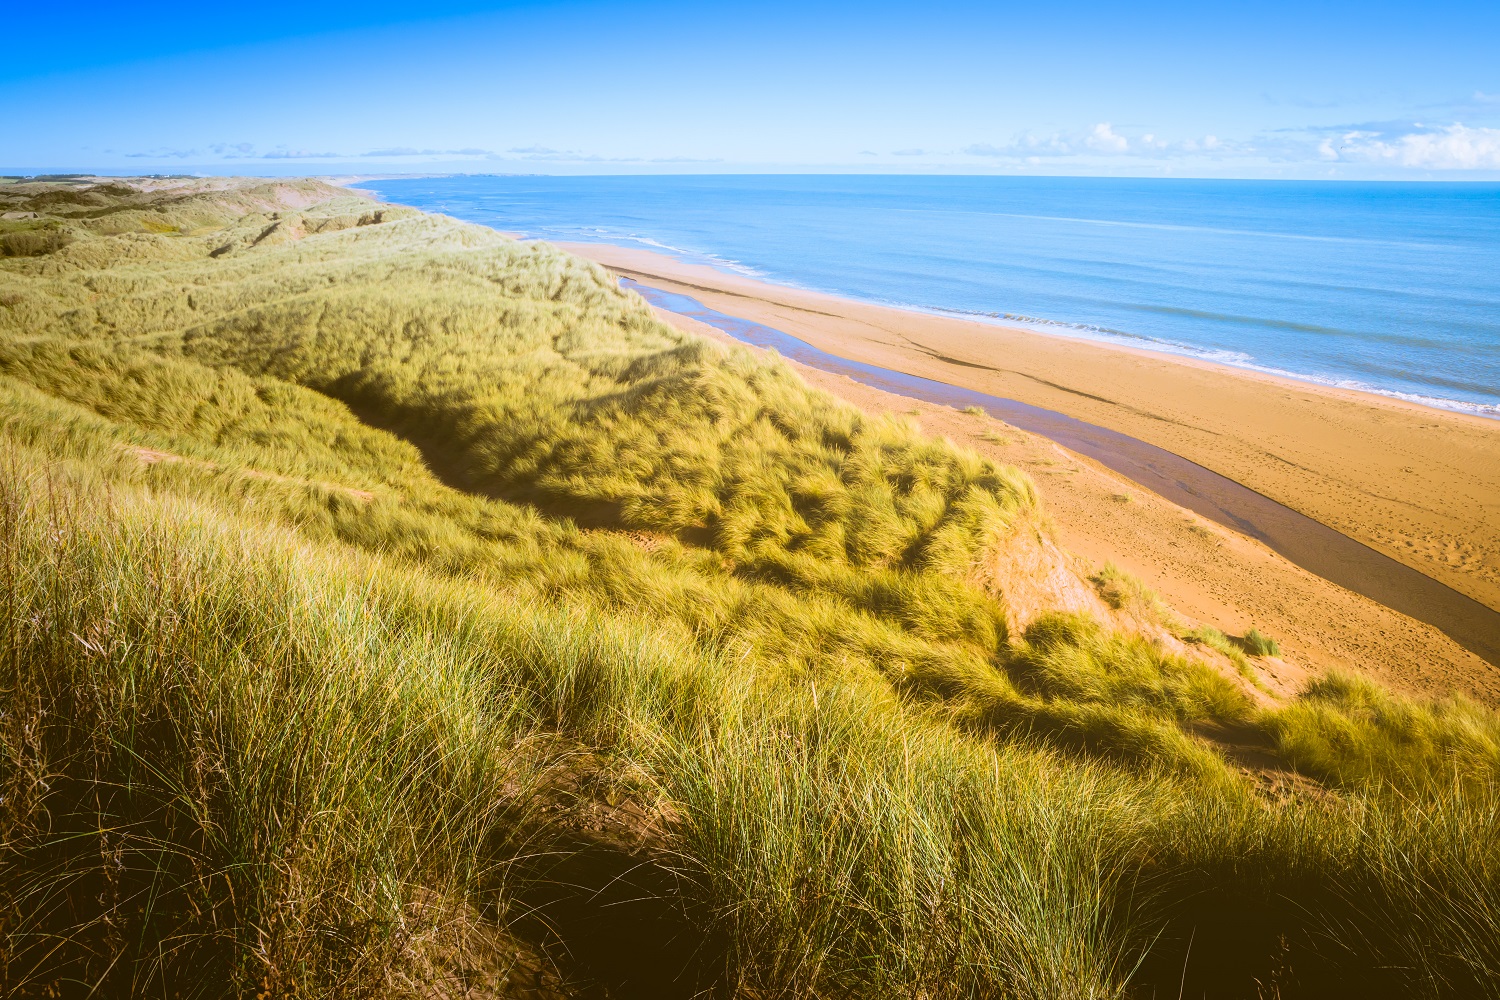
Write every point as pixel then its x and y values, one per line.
pixel 1420 485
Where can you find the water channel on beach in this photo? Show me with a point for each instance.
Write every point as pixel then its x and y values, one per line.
pixel 1307 542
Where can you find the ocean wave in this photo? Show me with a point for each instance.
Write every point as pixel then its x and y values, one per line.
pixel 1491 410
pixel 703 256
pixel 1236 359
pixel 1090 331
pixel 595 234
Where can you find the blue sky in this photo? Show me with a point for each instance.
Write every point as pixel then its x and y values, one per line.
pixel 1270 89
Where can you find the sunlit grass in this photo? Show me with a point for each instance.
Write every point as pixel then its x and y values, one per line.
pixel 352 568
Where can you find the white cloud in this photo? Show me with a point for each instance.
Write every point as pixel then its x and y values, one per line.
pixel 1454 147
pixel 395 151
pixel 1105 139
pixel 1028 145
pixel 234 151
pixel 163 153
pixel 1387 147
pixel 564 155
pixel 548 154
pixel 1101 141
pixel 283 153
pixel 908 152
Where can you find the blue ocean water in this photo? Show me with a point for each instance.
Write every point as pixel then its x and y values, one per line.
pixel 1393 288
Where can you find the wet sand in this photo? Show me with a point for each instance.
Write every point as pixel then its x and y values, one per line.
pixel 1211 574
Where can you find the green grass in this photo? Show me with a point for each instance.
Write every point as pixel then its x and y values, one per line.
pixel 1257 644
pixel 360 575
pixel 1126 592
pixel 1207 635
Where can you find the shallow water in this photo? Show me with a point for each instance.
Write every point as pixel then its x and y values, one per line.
pixel 1393 288
pixel 1310 544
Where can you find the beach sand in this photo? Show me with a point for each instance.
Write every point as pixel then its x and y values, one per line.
pixel 1421 485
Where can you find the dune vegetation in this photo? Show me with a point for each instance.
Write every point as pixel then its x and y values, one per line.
pixel 392 608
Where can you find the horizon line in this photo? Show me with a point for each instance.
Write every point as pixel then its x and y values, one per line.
pixel 346 176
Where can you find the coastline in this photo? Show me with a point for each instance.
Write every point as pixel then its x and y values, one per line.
pixel 1186 353
pixel 700 277
pixel 1202 570
pixel 1417 483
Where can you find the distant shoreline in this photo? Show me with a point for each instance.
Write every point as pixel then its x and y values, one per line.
pixel 1066 332
pixel 1088 334
pixel 1412 481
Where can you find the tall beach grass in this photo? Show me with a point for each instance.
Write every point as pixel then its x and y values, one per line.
pixel 392 608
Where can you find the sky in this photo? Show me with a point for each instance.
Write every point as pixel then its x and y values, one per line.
pixel 1274 89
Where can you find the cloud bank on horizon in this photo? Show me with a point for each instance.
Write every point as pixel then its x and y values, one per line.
pixel 1275 90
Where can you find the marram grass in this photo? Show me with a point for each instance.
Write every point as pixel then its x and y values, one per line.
pixel 371 580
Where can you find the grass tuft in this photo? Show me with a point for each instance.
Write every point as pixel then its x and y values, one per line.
pixel 1257 644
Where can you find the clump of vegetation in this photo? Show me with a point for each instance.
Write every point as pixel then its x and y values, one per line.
pixel 1348 730
pixel 1126 592
pixel 1213 638
pixel 1257 644
pixel 1202 530
pixel 32 237
pixel 975 411
pixel 391 608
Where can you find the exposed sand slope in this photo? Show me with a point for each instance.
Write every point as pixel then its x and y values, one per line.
pixel 1204 571
pixel 1421 485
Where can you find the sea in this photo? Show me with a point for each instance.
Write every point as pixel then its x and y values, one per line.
pixel 1391 288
